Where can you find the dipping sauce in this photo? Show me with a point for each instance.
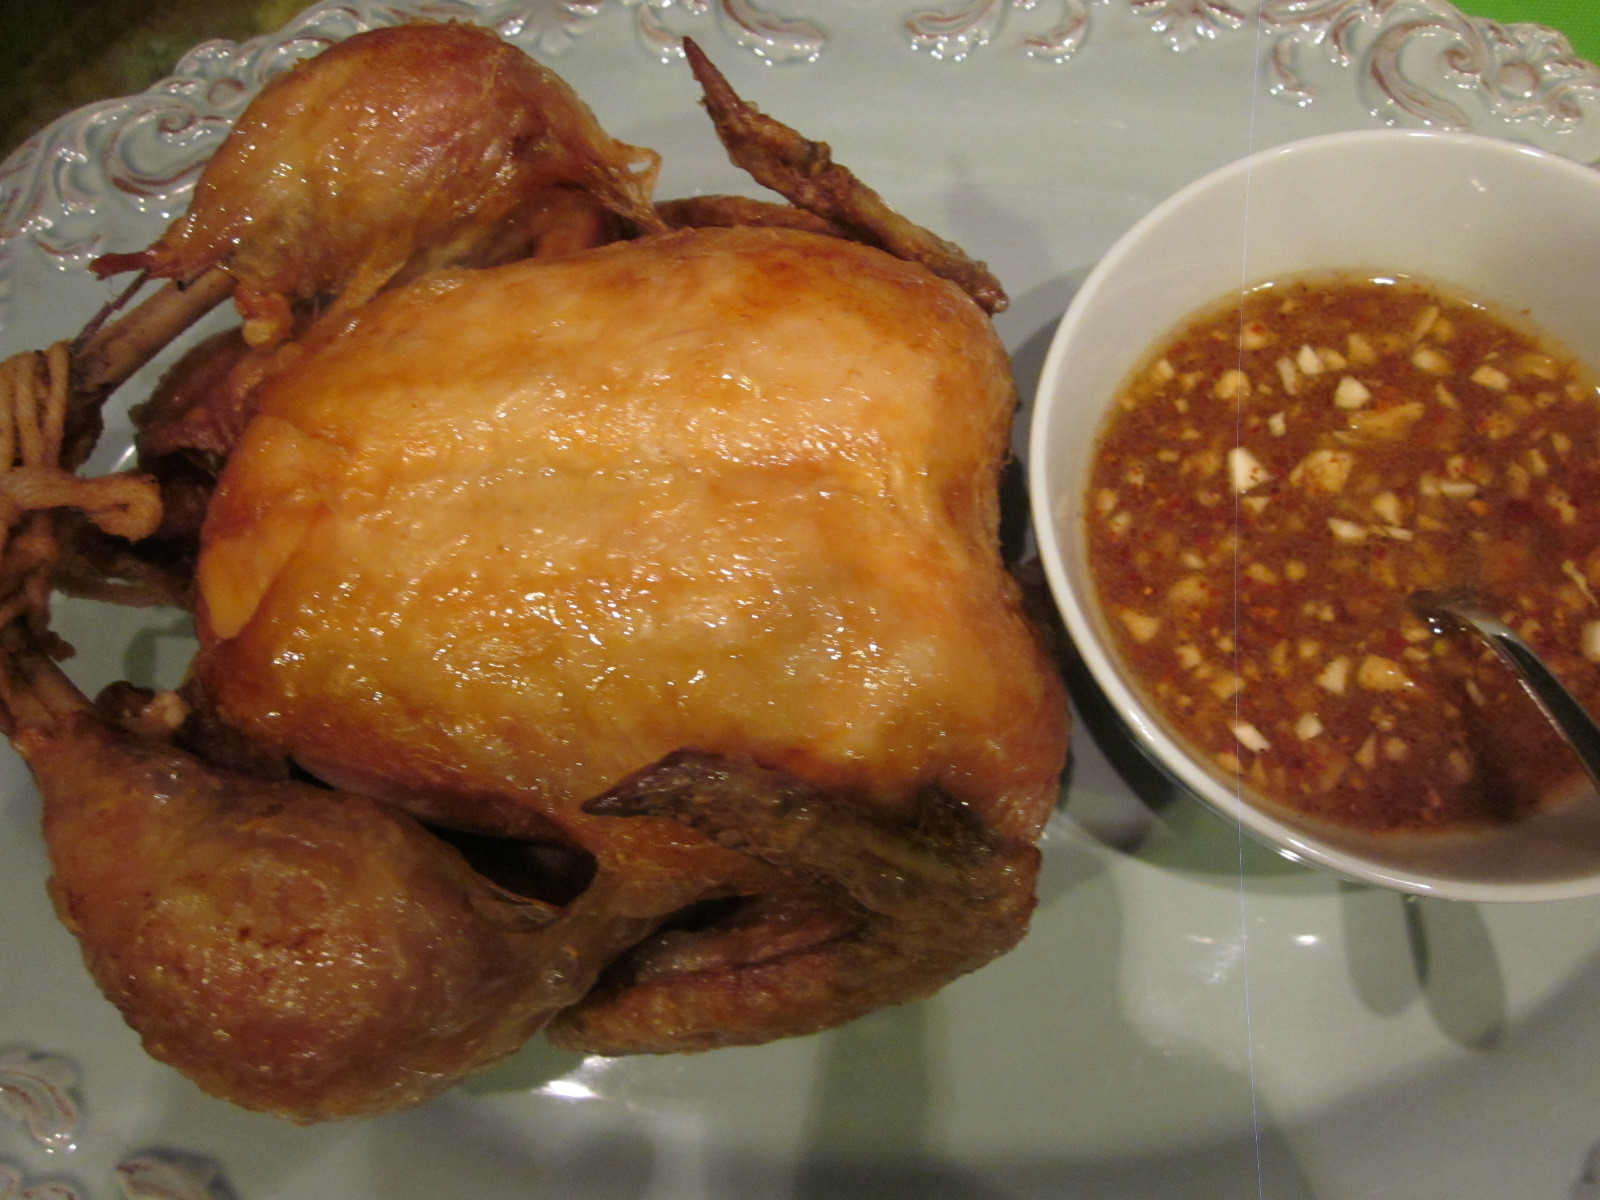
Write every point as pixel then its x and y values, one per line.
pixel 1274 483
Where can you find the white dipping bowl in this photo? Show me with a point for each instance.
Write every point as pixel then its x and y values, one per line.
pixel 1514 225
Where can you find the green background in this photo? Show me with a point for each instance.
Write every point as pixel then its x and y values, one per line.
pixel 58 55
pixel 1578 19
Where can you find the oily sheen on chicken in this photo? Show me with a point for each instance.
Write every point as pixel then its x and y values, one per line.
pixel 509 536
pixel 624 577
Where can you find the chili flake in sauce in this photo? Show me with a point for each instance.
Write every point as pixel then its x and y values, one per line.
pixel 1275 482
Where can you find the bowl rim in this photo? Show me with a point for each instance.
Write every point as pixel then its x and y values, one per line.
pixel 1076 603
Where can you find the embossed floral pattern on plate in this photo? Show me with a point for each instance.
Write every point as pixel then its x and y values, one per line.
pixel 1417 61
pixel 40 1093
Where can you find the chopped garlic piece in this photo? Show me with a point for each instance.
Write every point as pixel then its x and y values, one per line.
pixel 1379 674
pixel 1426 358
pixel 1334 675
pixel 1308 727
pixel 1347 531
pixel 1289 376
pixel 1367 756
pixel 1386 424
pixel 1232 385
pixel 1226 685
pixel 1491 377
pixel 1142 626
pixel 1351 393
pixel 1571 571
pixel 1279 657
pixel 1518 481
pixel 1540 366
pixel 1323 470
pixel 1250 737
pixel 1191 589
pixel 1591 641
pixel 1309 361
pixel 1360 351
pixel 1245 470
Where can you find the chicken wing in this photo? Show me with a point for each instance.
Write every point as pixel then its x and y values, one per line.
pixel 881 912
pixel 803 171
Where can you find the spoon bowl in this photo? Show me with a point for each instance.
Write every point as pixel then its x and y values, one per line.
pixel 1464 609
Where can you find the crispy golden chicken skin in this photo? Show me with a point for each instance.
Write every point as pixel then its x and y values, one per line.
pixel 395 152
pixel 509 536
pixel 865 910
pixel 626 574
pixel 308 953
pixel 318 954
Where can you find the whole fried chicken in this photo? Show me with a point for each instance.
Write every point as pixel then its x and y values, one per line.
pixel 603 625
pixel 508 536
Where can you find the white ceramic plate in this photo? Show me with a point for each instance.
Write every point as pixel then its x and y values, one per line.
pixel 1191 1017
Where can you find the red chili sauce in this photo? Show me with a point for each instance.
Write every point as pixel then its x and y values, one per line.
pixel 1274 483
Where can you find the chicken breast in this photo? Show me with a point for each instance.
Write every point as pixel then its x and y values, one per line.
pixel 509 536
pixel 512 535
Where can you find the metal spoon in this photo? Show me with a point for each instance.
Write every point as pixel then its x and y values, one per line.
pixel 1442 610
